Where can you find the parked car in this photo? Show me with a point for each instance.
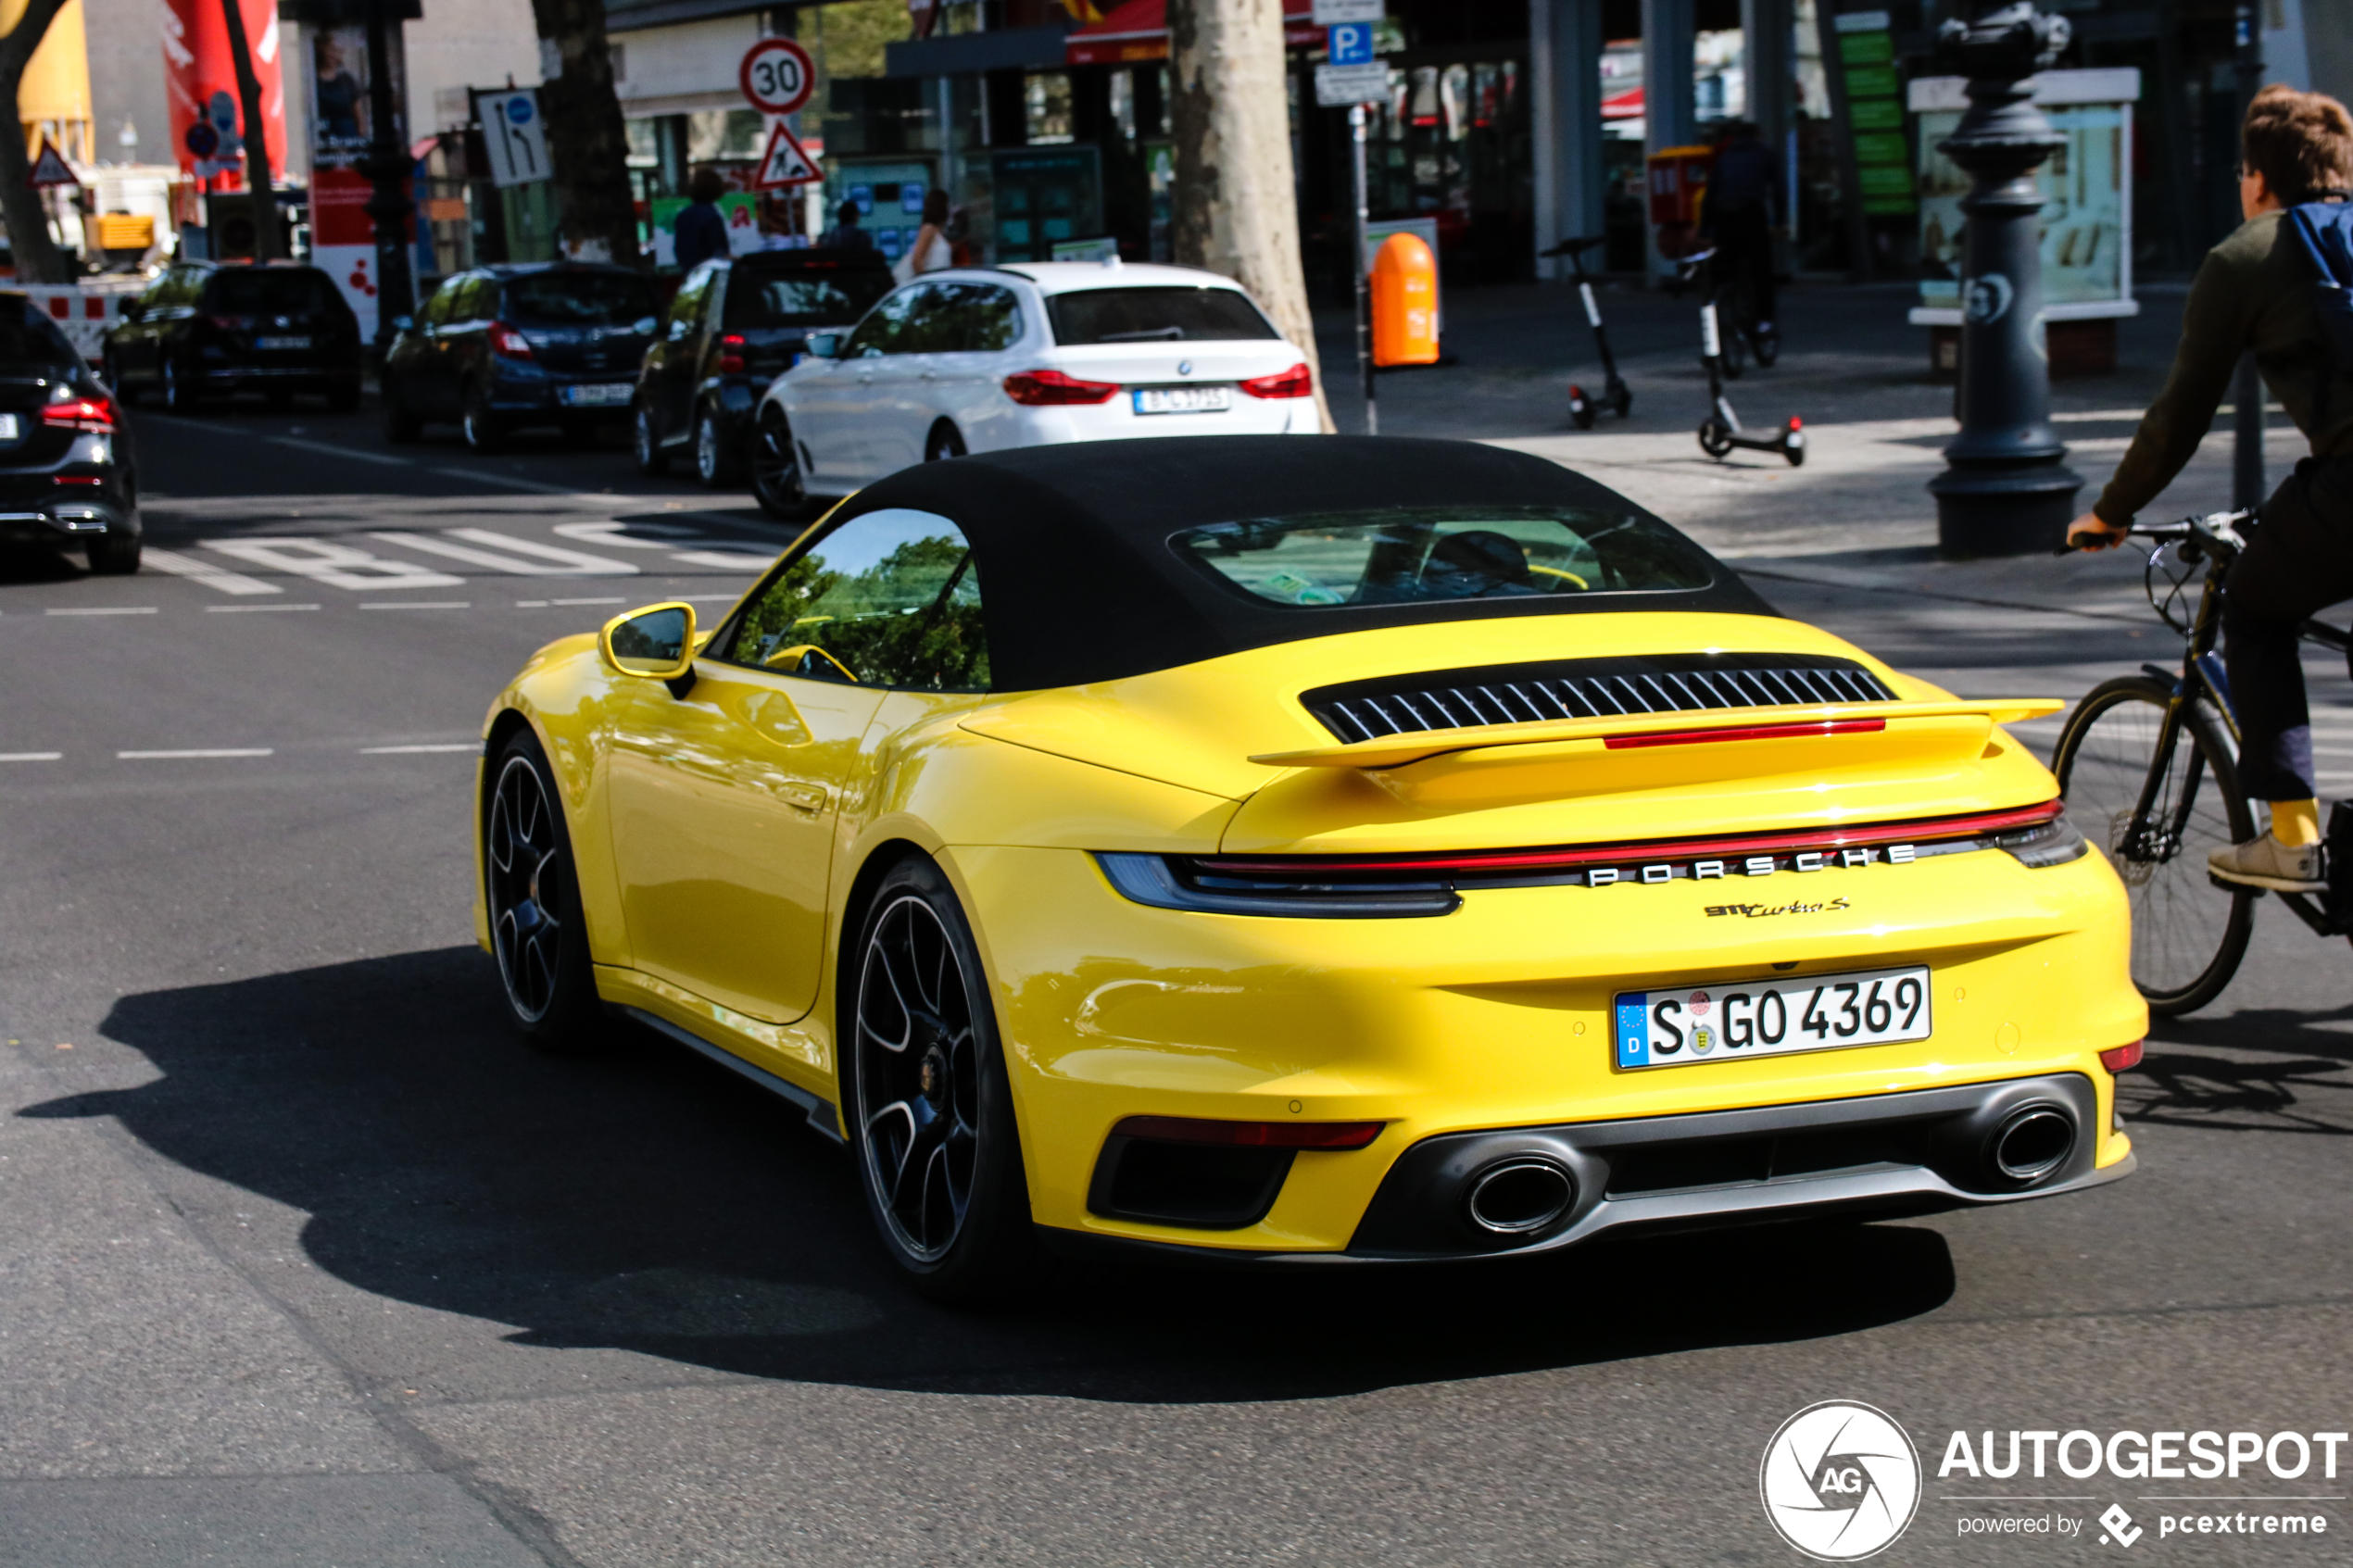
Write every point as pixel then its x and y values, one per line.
pixel 501 348
pixel 205 329
pixel 979 359
pixel 67 475
pixel 734 327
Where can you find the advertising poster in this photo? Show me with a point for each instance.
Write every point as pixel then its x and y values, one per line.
pixel 200 74
pixel 343 237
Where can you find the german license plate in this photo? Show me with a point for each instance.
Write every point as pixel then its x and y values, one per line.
pixel 9 429
pixel 603 395
pixel 1184 399
pixel 282 343
pixel 1817 1012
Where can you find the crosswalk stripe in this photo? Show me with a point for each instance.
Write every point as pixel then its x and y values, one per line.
pixel 219 578
pixel 567 563
pixel 337 565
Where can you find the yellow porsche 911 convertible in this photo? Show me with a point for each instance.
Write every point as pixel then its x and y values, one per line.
pixel 1329 851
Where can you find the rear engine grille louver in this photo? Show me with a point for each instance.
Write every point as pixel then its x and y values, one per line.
pixel 1587 688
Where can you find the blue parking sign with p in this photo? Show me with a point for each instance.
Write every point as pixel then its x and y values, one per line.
pixel 1350 44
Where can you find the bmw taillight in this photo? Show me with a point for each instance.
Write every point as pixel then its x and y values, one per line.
pixel 1043 389
pixel 506 342
pixel 231 323
pixel 1293 382
pixel 731 355
pixel 74 411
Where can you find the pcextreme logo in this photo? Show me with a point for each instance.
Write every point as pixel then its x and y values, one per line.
pixel 1840 1481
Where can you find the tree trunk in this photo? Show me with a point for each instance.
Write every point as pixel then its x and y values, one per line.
pixel 1237 204
pixel 588 144
pixel 38 259
pixel 256 133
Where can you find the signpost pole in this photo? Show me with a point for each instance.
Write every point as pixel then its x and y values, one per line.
pixel 2246 419
pixel 1364 290
pixel 386 166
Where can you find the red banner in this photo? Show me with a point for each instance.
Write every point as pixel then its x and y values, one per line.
pixel 206 121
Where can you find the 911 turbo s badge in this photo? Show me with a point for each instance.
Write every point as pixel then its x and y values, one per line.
pixel 1761 911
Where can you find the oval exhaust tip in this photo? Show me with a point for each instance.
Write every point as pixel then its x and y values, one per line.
pixel 1517 1197
pixel 2034 1143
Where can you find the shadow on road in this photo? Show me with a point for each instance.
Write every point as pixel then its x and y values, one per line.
pixel 646 1199
pixel 2202 1074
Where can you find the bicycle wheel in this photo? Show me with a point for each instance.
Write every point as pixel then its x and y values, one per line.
pixel 2188 934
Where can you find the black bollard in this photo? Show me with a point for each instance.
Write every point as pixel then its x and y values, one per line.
pixel 2006 490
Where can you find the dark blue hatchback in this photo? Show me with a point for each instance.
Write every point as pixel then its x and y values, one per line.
pixel 499 348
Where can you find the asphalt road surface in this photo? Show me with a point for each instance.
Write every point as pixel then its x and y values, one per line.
pixel 303 1261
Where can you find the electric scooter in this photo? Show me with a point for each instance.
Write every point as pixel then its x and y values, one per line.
pixel 1721 431
pixel 1616 395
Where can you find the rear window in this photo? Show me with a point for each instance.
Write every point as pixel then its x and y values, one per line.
pixel 1427 556
pixel 272 293
pixel 28 337
pixel 1156 315
pixel 579 299
pixel 804 299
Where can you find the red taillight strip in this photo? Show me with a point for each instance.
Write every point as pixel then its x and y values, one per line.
pixel 1745 732
pixel 1255 1135
pixel 1672 849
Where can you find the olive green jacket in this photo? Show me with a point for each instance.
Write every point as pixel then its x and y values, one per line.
pixel 2254 290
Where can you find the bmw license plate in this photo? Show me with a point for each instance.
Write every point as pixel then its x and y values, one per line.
pixel 282 343
pixel 1817 1012
pixel 9 429
pixel 601 394
pixel 1184 399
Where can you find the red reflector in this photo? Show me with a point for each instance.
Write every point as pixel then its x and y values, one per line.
pixel 506 342
pixel 1257 1134
pixel 1293 382
pixel 2123 1058
pixel 79 478
pixel 1745 732
pixel 1046 389
pixel 1796 423
pixel 731 355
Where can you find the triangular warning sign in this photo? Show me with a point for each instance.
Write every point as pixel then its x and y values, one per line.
pixel 50 169
pixel 785 163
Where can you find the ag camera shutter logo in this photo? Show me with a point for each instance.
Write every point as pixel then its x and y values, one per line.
pixel 1840 1481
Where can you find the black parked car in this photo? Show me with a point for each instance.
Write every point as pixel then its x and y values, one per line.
pixel 65 472
pixel 206 327
pixel 502 348
pixel 734 327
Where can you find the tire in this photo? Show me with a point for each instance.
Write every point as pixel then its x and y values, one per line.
pixel 179 394
pixel 481 427
pixel 533 892
pixel 775 468
pixel 717 461
pixel 2188 934
pixel 1581 408
pixel 111 557
pixel 1767 347
pixel 943 443
pixel 401 426
pixel 110 370
pixel 1622 400
pixel 646 446
pixel 343 398
pixel 1713 439
pixel 928 1105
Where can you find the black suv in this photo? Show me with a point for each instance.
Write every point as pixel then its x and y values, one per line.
pixel 65 454
pixel 734 327
pixel 207 328
pixel 502 348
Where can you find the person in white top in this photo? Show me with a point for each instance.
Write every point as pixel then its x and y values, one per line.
pixel 931 250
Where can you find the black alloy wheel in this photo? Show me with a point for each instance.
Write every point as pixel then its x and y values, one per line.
pixel 645 443
pixel 930 1109
pixel 110 371
pixel 533 898
pixel 344 397
pixel 113 555
pixel 482 431
pixel 775 468
pixel 715 464
pixel 943 444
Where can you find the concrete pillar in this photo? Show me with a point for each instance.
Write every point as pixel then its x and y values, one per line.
pixel 1565 84
pixel 1767 64
pixel 2328 46
pixel 1669 112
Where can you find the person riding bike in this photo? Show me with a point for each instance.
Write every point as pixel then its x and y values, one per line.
pixel 2255 293
pixel 1743 213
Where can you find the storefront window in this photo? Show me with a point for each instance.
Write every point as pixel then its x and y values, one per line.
pixel 1046 108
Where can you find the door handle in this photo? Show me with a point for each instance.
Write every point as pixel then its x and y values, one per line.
pixel 802 797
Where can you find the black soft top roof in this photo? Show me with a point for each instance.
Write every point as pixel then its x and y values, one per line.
pixel 1081 583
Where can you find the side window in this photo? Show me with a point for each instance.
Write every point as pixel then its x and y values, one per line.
pixel 438 308
pixel 888 598
pixel 186 284
pixel 686 307
pixel 984 319
pixel 159 295
pixel 886 328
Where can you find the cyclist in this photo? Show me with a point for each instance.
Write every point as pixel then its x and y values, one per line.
pixel 2254 293
pixel 1743 213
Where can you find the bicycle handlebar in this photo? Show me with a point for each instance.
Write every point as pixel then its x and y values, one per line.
pixel 2215 531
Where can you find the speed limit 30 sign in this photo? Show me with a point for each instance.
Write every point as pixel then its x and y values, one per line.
pixel 776 75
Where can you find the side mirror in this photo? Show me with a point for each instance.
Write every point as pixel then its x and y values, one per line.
pixel 656 643
pixel 403 323
pixel 825 345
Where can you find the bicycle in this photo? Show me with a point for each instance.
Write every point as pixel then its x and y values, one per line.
pixel 2152 758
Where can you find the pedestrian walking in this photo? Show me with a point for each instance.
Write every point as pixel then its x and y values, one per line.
pixel 701 231
pixel 932 249
pixel 1743 213
pixel 845 234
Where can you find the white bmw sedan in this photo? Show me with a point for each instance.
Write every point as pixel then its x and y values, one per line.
pixel 978 360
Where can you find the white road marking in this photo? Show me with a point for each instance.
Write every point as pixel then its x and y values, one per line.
pixel 204 571
pixel 334 451
pixel 728 561
pixel 705 599
pixel 104 609
pixel 252 609
pixel 615 599
pixel 337 565
pixel 200 752
pixel 30 756
pixel 617 535
pixel 506 552
pixel 417 604
pixel 531 484
pixel 415 750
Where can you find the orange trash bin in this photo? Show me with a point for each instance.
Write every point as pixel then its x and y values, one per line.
pixel 1404 302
